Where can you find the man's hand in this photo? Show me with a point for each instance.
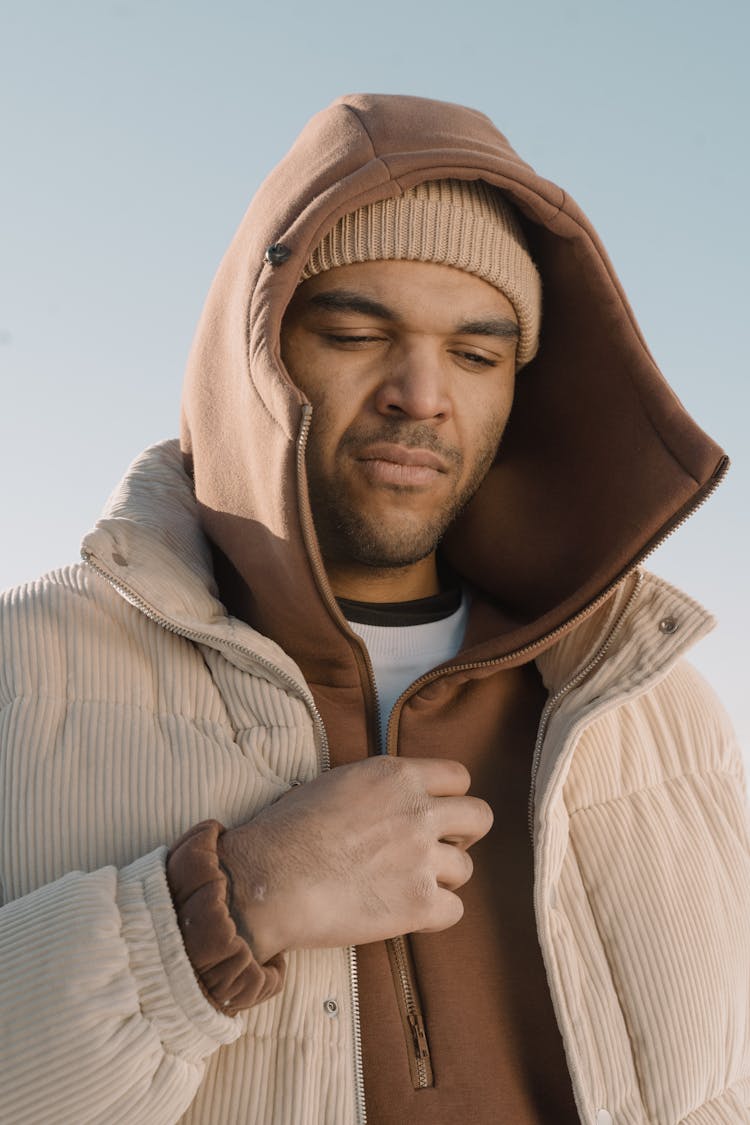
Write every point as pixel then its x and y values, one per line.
pixel 366 851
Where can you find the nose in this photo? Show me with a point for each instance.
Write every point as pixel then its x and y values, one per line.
pixel 415 386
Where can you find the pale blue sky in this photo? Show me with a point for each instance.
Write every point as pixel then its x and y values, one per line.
pixel 134 134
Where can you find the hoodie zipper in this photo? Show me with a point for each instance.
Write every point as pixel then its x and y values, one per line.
pixel 410 1010
pixel 399 953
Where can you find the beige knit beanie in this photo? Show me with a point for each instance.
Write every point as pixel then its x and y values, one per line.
pixel 462 223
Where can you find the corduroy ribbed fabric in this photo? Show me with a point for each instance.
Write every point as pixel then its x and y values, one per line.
pixel 118 732
pixel 459 223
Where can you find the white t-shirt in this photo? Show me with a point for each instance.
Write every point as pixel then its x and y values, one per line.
pixel 400 654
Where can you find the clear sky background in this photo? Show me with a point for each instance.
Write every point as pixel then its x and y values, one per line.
pixel 134 133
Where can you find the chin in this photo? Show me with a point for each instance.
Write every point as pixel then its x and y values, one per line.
pixel 401 548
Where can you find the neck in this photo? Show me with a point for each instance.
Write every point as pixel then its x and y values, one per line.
pixel 397 584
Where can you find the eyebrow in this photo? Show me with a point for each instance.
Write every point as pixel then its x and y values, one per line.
pixel 343 300
pixel 490 326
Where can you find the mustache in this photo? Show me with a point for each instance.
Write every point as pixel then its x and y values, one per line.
pixel 412 435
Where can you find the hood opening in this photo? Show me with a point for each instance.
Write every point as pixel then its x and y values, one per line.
pixel 598 462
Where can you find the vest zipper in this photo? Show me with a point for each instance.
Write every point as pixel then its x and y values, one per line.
pixel 210 640
pixel 572 1064
pixel 323 757
pixel 581 675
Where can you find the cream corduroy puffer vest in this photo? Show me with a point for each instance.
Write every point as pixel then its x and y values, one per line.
pixel 132 707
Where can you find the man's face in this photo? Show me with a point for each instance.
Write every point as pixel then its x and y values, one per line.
pixel 410 370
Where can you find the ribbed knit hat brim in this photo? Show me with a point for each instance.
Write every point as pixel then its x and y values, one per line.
pixel 459 223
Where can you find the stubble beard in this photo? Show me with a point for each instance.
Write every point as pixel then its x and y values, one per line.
pixel 348 534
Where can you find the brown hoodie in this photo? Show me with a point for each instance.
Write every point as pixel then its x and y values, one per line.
pixel 598 463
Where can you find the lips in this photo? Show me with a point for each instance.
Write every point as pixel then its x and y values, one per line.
pixel 402 455
pixel 390 465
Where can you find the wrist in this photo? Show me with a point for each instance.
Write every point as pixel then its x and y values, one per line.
pixel 249 901
pixel 229 974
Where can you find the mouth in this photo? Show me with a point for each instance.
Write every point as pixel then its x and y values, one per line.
pixel 399 466
pixel 395 454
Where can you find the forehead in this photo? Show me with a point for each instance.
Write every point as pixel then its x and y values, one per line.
pixel 401 291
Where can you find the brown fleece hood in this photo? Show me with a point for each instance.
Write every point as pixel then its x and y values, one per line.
pixel 599 460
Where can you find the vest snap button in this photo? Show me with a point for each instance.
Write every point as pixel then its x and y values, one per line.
pixel 669 625
pixel 331 1008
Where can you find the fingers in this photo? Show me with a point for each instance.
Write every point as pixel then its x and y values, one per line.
pixel 462 820
pixel 447 909
pixel 439 778
pixel 454 867
pixel 438 788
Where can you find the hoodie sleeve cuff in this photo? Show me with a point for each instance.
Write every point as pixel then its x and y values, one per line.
pixel 227 972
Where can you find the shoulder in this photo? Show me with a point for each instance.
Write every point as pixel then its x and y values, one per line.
pixel 671 733
pixel 36 610
pixel 59 625
pixel 647 716
pixel 686 707
pixel 52 603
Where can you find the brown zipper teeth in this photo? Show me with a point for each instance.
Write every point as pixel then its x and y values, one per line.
pixel 420 1064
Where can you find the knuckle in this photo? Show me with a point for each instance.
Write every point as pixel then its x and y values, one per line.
pixel 383 766
pixel 423 886
pixel 415 806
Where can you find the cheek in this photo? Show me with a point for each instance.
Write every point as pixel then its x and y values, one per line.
pixel 488 423
pixel 330 420
pixel 491 410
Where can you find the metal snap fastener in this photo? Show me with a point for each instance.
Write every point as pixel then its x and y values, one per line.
pixel 277 254
pixel 669 625
pixel 331 1008
pixel 604 1117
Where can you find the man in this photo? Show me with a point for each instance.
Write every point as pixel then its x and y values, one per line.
pixel 424 450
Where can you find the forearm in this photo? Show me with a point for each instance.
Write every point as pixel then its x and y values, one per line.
pixel 102 1017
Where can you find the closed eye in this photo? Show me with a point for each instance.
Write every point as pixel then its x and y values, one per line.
pixel 351 339
pixel 476 358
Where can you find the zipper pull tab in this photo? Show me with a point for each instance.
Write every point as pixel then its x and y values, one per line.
pixel 418 1034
